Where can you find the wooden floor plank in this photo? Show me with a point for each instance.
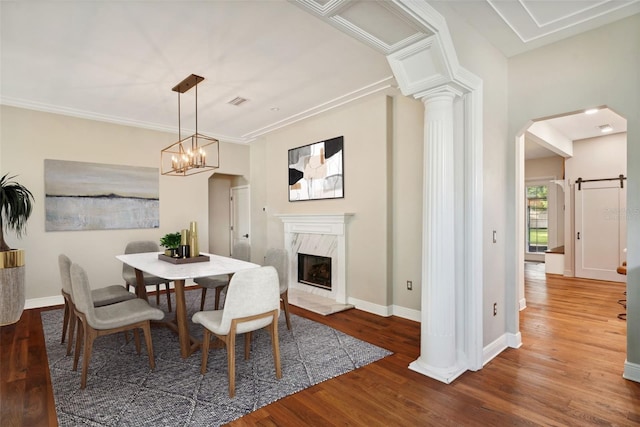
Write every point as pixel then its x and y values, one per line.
pixel 568 371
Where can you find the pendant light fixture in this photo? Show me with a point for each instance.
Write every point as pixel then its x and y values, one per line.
pixel 196 153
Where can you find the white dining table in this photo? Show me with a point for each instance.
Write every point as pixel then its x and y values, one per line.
pixel 149 262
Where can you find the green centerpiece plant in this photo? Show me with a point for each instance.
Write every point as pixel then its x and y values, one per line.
pixel 170 241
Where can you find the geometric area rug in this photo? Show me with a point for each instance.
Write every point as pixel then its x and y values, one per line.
pixel 122 390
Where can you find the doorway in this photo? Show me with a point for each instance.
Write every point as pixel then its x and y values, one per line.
pixel 220 211
pixel 240 215
pixel 577 140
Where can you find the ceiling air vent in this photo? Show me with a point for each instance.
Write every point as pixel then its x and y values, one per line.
pixel 237 101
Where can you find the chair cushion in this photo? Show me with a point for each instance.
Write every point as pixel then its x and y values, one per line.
pixel 212 320
pixel 129 277
pixel 110 295
pixel 212 281
pixel 124 313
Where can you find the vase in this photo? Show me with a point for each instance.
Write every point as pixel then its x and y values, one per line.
pixel 12 281
pixel 193 239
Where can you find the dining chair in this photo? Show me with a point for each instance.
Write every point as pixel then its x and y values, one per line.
pixel 129 273
pixel 123 316
pixel 279 259
pixel 101 296
pixel 252 302
pixel 241 251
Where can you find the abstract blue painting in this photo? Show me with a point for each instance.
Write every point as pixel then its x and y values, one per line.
pixel 95 196
pixel 316 170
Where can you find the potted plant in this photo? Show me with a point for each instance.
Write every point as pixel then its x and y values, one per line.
pixel 16 205
pixel 170 241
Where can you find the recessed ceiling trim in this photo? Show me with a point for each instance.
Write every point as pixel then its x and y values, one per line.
pixel 378 86
pixel 372 40
pixel 541 24
pixel 328 9
pixel 523 22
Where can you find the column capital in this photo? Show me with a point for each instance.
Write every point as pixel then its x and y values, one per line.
pixel 447 91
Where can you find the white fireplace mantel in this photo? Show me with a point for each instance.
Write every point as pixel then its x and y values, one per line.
pixel 334 225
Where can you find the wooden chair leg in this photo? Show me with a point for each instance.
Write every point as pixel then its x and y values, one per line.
pixel 146 328
pixel 202 298
pixel 247 345
pixel 276 346
pixel 89 337
pixel 284 297
pixel 219 290
pixel 168 296
pixel 136 336
pixel 158 294
pixel 205 350
pixel 231 362
pixel 65 320
pixel 79 343
pixel 73 320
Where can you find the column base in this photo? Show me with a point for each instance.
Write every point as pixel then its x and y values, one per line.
pixel 445 375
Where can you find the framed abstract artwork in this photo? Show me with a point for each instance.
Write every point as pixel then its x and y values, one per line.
pixel 96 196
pixel 316 171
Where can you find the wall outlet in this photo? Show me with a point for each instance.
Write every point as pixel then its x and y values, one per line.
pixel 409 285
pixel 495 308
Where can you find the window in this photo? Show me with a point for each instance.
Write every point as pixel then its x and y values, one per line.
pixel 537 218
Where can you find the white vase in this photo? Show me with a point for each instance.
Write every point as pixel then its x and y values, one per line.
pixel 12 283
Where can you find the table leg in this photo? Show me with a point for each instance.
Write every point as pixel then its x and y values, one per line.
pixel 141 289
pixel 181 320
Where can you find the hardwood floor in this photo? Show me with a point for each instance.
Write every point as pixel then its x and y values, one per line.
pixel 567 372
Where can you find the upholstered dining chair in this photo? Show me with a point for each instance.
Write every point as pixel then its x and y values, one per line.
pixel 252 302
pixel 101 296
pixel 279 259
pixel 129 273
pixel 127 315
pixel 241 251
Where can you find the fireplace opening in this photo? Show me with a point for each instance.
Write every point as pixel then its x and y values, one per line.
pixel 314 270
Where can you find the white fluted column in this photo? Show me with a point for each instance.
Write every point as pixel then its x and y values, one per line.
pixel 438 347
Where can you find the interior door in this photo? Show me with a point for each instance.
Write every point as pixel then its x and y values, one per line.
pixel 600 227
pixel 240 215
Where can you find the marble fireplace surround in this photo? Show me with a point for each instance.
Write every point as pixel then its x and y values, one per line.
pixel 322 235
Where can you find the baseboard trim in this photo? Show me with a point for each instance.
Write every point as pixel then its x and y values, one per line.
pixel 386 311
pixel 499 345
pixel 631 371
pixel 380 310
pixel 407 313
pixel 522 303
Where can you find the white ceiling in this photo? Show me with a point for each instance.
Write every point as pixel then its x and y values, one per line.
pixel 576 126
pixel 117 61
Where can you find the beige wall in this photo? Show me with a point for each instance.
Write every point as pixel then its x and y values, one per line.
pixel 599 67
pixel 28 137
pixel 377 190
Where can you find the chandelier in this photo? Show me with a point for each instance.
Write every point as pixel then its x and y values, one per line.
pixel 194 154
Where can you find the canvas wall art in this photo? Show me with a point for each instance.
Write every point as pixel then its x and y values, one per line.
pixel 316 171
pixel 95 196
